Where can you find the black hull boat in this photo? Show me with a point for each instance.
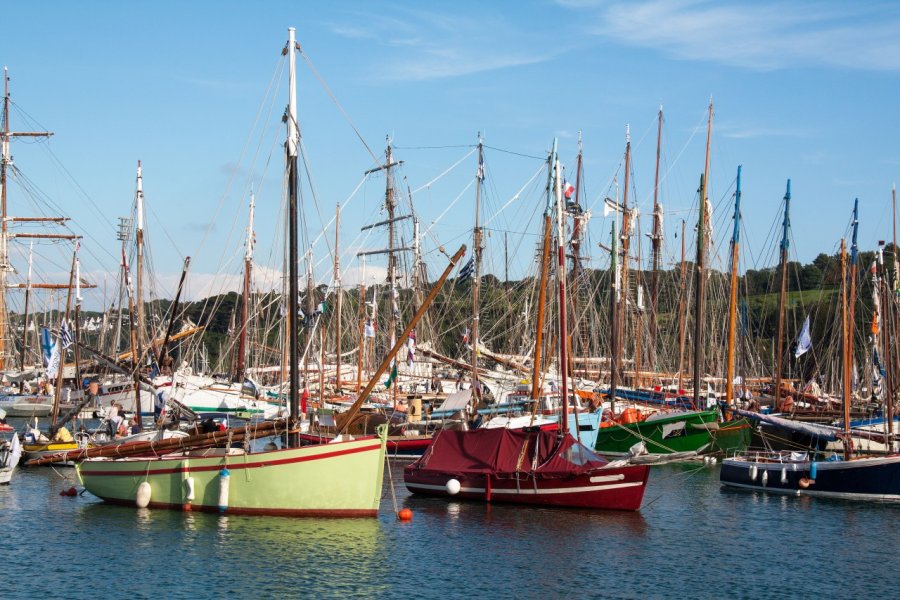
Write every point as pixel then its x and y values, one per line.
pixel 875 478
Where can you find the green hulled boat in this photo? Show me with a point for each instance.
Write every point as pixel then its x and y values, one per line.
pixel 332 480
pixel 671 433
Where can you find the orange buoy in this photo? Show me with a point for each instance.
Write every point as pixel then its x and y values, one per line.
pixel 405 514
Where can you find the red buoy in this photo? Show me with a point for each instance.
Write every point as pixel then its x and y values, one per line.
pixel 405 514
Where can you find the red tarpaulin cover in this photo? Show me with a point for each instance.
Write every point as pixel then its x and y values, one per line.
pixel 499 452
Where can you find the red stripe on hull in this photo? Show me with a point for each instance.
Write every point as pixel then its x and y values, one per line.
pixel 231 466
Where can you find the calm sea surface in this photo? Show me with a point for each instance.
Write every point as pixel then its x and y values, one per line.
pixel 691 540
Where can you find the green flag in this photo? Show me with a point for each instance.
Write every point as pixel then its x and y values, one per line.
pixel 392 377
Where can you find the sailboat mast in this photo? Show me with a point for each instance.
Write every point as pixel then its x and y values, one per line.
pixel 245 298
pixel 614 311
pixel 626 238
pixel 139 243
pixel 732 302
pixel 578 223
pixel 476 287
pixel 57 392
pixel 845 351
pixel 25 316
pixel 536 386
pixel 340 294
pixel 656 245
pixel 700 287
pixel 682 299
pixel 291 147
pixel 854 252
pixel 561 277
pixel 782 297
pixel 392 258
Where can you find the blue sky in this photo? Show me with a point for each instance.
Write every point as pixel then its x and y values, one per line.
pixel 805 90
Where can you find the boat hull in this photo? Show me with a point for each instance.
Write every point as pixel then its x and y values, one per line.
pixel 876 478
pixel 397 446
pixel 619 488
pixel 680 432
pixel 332 480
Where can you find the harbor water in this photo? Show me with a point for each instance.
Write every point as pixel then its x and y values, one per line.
pixel 692 539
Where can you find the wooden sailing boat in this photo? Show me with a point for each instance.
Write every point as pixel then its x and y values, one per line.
pixel 340 479
pixel 530 466
pixel 682 429
pixel 798 473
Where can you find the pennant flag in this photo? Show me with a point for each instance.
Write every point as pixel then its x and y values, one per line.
pixel 480 174
pixel 369 329
pixel 568 189
pixel 47 345
pixel 65 335
pixel 411 348
pixel 391 378
pixel 804 342
pixel 53 364
pixel 467 271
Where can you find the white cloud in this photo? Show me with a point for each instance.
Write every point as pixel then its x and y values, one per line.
pixel 757 35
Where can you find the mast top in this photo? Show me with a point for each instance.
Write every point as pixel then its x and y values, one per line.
pixel 293 140
pixel 786 224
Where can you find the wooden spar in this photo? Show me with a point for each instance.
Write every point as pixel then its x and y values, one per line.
pixel 139 244
pixel 682 300
pixel 700 295
pixel 854 260
pixel 700 286
pixel 782 296
pixel 340 294
pixel 561 278
pixel 577 233
pixel 536 383
pixel 239 371
pixel 393 309
pixel 44 236
pixel 57 392
pixel 136 355
pixel 732 301
pixel 47 286
pixel 627 227
pixel 891 312
pixel 656 246
pixel 539 326
pixel 476 284
pixel 887 350
pixel 25 316
pixel 362 336
pixel 164 347
pixel 172 338
pixel 347 417
pixel 57 220
pixel 5 161
pixel 293 174
pixel 168 445
pixel 613 314
pixel 845 354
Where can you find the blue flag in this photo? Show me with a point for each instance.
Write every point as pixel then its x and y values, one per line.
pixel 467 271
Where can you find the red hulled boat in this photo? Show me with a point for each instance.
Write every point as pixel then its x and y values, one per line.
pixel 524 467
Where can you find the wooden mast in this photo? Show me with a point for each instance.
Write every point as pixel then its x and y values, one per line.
pixel 700 285
pixel 578 226
pixel 476 284
pixel 139 244
pixel 5 267
pixel 656 246
pixel 625 240
pixel 732 302
pixel 845 348
pixel 854 260
pixel 25 317
pixel 361 350
pixel 536 370
pixel 561 278
pixel 614 310
pixel 245 298
pixel 293 174
pixel 57 392
pixel 340 295
pixel 779 346
pixel 682 300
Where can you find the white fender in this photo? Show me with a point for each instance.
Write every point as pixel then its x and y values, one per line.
pixel 784 477
pixel 142 497
pixel 753 472
pixel 453 487
pixel 189 489
pixel 765 478
pixel 224 480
